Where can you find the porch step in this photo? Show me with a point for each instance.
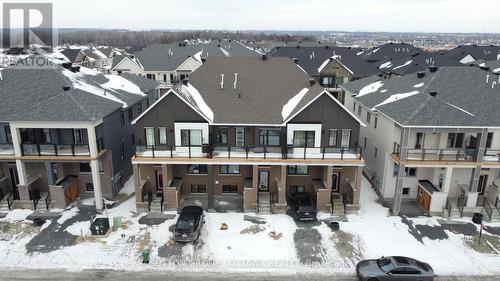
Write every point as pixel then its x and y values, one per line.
pixel 337 208
pixel 264 203
pixel 3 204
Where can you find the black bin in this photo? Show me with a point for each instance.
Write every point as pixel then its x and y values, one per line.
pixel 477 218
pixel 334 225
pixel 100 226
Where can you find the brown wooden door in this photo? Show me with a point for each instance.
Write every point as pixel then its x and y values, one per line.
pixel 424 199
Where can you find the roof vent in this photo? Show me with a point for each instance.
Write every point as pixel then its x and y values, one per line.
pixel 185 81
pixel 235 81
pixel 296 60
pixel 327 47
pixel 380 75
pixel 75 69
pixel 222 81
pixel 420 74
pixel 312 82
pixel 298 46
pixel 485 68
pixel 264 56
pixel 415 54
pixel 433 68
pixel 66 88
pixel 203 60
pixel 433 94
pixel 66 65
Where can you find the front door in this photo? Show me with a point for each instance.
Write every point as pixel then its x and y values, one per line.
pixel 483 181
pixel 14 177
pixel 263 180
pixel 159 181
pixel 335 182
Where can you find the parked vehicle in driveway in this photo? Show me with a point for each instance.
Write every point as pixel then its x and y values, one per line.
pixel 302 206
pixel 394 268
pixel 188 227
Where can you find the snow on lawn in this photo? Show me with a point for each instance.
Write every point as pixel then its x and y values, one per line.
pixel 230 245
pixel 384 235
pixel 128 187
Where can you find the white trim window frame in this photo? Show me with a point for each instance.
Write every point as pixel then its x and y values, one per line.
pixel 345 140
pixel 332 137
pixel 149 133
pixel 240 136
pixel 162 136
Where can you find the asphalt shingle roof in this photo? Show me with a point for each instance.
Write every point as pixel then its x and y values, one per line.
pixel 263 88
pixel 390 52
pixel 464 96
pixel 418 62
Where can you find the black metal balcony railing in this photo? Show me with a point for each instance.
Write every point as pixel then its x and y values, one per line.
pixel 55 149
pixel 6 149
pixel 258 152
pixel 446 154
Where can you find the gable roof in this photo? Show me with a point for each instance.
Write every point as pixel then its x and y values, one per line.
pixel 418 62
pixel 311 58
pixel 390 52
pixel 146 85
pixel 489 52
pixel 58 94
pixel 462 97
pixel 71 54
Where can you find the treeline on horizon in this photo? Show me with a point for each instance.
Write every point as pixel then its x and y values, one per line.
pixel 126 38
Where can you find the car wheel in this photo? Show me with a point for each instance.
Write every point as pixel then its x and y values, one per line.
pixel 373 279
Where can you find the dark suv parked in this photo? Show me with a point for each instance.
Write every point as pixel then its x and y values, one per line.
pixel 189 224
pixel 302 206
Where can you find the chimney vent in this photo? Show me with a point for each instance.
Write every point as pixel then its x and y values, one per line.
pixel 296 60
pixel 185 81
pixel 203 60
pixel 66 88
pixel 433 94
pixel 235 81
pixel 380 75
pixel 485 68
pixel 420 74
pixel 264 56
pixel 312 82
pixel 487 78
pixel 327 47
pixel 433 68
pixel 222 81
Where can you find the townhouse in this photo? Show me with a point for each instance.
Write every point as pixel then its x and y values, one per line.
pixel 170 63
pixel 251 131
pixel 329 65
pixel 99 58
pixel 65 131
pixel 469 53
pixel 432 137
pixel 417 62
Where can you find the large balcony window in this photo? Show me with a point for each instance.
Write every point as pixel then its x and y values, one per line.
pixel 303 138
pixel 193 137
pixel 269 137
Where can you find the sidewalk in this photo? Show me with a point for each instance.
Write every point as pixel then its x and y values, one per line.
pixel 245 247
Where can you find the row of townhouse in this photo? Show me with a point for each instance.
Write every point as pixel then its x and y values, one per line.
pixel 257 129
pixel 65 131
pixel 432 137
pixel 99 58
pixel 169 64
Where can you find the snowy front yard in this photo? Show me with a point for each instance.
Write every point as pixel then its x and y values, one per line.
pixel 302 246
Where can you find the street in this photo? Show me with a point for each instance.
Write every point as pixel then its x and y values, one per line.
pixel 56 275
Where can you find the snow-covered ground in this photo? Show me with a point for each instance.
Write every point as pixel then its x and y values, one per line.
pixel 245 246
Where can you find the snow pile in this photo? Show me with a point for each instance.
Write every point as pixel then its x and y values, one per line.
pixel 192 94
pixel 396 97
pixel 67 215
pixel 79 228
pixel 119 83
pixel 292 103
pixel 403 65
pixel 371 88
pixel 128 187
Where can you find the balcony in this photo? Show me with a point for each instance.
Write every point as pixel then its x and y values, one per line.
pixel 437 154
pixel 6 149
pixel 491 155
pixel 258 152
pixel 55 149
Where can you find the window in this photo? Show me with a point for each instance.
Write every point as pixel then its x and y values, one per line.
pixel 151 76
pixel 419 141
pixel 296 188
pixel 122 150
pixel 78 135
pixel 332 137
pixel 85 168
pixel 139 107
pixel 489 140
pixel 130 114
pixel 89 187
pixel 191 137
pixel 298 170
pixel 368 117
pixel 196 169
pixel 411 172
pixel 455 140
pixel 346 138
pixel 375 153
pixel 122 117
pixel 240 136
pixel 395 170
pixel 171 77
pixel 303 138
pixel 354 107
pixel 132 139
pixel 150 136
pixel 327 81
pixel 375 122
pixel 162 136
pixel 229 169
pixel 198 188
pixel 406 190
pixel 229 189
pixel 365 142
pixel 46 136
pixel 8 135
pixel 360 110
pixel 269 137
pixel 164 77
pixel 223 135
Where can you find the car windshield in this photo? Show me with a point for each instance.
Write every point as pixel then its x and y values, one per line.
pixel 185 225
pixel 385 264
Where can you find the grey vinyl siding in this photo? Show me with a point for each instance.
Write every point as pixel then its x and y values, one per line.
pixel 3 137
pixel 327 112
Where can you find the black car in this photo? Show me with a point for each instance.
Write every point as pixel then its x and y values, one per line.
pixel 302 206
pixel 189 224
pixel 394 268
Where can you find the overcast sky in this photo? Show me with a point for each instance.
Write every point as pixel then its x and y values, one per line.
pixel 346 15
